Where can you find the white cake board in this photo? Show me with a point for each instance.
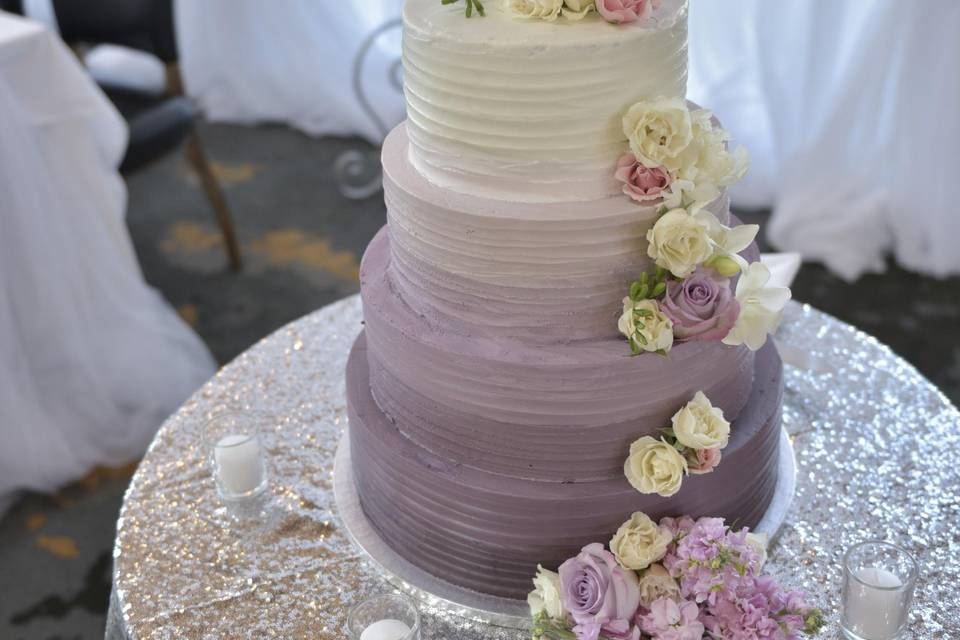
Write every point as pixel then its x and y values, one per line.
pixel 503 612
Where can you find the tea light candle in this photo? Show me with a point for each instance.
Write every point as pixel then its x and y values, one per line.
pixel 873 605
pixel 386 630
pixel 239 469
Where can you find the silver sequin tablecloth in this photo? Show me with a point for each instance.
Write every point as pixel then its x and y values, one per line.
pixel 876 447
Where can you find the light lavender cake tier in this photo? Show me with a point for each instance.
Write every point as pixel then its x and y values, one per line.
pixel 487 531
pixel 541 272
pixel 566 410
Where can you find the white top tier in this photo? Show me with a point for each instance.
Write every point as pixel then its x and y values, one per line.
pixel 528 110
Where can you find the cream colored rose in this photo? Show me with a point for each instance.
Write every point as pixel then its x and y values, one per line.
pixel 639 542
pixel 655 467
pixel 659 131
pixel 575 10
pixel 656 583
pixel 645 326
pixel 758 542
pixel 546 594
pixel 700 425
pixel 679 242
pixel 538 9
pixel 707 165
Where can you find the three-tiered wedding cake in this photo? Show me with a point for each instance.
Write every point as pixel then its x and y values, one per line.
pixel 550 180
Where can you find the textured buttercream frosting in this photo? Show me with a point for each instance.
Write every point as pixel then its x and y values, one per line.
pixel 488 531
pixel 528 110
pixel 544 272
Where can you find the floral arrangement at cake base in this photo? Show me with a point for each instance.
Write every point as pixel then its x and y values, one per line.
pixel 679 579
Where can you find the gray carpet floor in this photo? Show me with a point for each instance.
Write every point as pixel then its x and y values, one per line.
pixel 302 242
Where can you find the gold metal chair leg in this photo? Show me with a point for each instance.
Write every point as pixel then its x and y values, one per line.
pixel 218 201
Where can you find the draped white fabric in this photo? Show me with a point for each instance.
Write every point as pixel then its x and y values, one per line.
pixel 850 111
pixel 91 359
pixel 290 61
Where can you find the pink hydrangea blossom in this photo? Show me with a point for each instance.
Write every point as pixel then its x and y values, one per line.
pixel 623 11
pixel 669 620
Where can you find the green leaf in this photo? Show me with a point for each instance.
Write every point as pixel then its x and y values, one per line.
pixel 659 289
pixel 471 6
pixel 639 337
pixel 635 291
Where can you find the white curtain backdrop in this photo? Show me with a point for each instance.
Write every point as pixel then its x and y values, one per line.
pixel 290 61
pixel 92 360
pixel 849 109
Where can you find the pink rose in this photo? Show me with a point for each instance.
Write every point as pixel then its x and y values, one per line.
pixel 701 461
pixel 640 182
pixel 622 11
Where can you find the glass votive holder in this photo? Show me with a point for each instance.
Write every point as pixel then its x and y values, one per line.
pixel 235 450
pixel 386 617
pixel 879 579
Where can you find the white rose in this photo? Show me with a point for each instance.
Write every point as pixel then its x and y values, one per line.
pixel 679 242
pixel 659 131
pixel 639 542
pixel 761 308
pixel 645 326
pixel 546 594
pixel 655 583
pixel 577 9
pixel 700 425
pixel 758 542
pixel 539 9
pixel 655 467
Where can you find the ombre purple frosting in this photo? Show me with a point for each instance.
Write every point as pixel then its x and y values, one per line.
pixel 492 403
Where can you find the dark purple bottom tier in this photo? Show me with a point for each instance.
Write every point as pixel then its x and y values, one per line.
pixel 488 532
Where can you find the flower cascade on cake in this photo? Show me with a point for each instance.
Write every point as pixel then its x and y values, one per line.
pixel 679 159
pixel 677 579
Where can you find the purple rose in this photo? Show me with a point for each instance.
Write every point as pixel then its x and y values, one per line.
pixel 702 307
pixel 601 596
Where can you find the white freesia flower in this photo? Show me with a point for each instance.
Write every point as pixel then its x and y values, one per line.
pixel 679 242
pixel 539 9
pixel 700 425
pixel 546 594
pixel 639 542
pixel 761 308
pixel 655 583
pixel 727 243
pixel 659 131
pixel 759 542
pixel 575 10
pixel 655 466
pixel 645 326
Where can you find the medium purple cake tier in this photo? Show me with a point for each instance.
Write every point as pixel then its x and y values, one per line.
pixel 487 531
pixel 555 412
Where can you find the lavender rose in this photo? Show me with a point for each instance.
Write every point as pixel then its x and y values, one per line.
pixel 702 307
pixel 640 182
pixel 601 596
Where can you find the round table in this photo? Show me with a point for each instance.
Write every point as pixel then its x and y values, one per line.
pixel 874 440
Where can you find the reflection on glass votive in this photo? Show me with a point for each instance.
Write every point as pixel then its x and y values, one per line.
pixel 233 442
pixel 879 579
pixel 386 617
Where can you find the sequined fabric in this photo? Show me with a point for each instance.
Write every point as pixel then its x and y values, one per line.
pixel 875 445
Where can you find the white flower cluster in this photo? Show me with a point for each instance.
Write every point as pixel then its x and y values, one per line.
pixel 690 145
pixel 693 445
pixel 549 10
